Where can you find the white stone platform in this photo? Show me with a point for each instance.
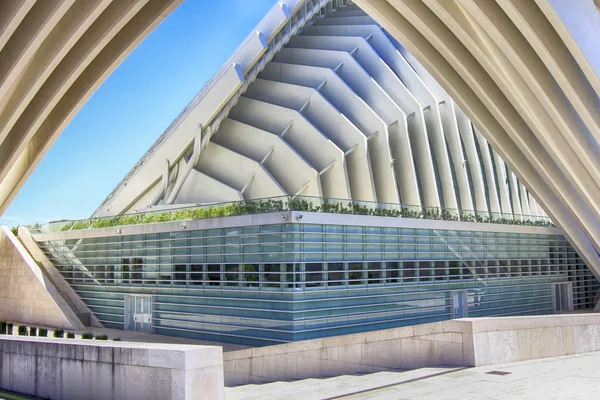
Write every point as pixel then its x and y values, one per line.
pixel 92 369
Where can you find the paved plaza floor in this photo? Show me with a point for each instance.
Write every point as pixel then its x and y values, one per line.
pixel 568 377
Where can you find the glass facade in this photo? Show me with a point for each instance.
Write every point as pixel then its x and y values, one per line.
pixel 272 283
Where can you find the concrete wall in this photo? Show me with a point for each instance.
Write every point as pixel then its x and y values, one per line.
pixel 503 340
pixel 465 342
pixel 84 369
pixel 25 294
pixel 439 343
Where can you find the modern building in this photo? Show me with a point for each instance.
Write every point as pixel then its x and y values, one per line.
pixel 322 183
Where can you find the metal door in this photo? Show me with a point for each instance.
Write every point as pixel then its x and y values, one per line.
pixel 460 304
pixel 563 297
pixel 138 313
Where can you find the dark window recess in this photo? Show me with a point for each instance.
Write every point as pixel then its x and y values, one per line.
pixel 214 274
pixel 374 273
pixel 250 272
pixel 125 270
pixel 440 270
pixel 335 274
pixel 110 274
pixel 272 275
pixel 137 267
pixel 314 274
pixel 290 276
pixel 425 271
pixel 454 270
pixel 180 274
pixel 196 274
pixel 408 271
pixel 232 275
pixel 392 272
pixel 355 273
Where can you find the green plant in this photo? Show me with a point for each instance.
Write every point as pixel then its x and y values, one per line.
pixel 2 328
pixel 33 331
pixel 59 333
pixel 15 230
pixel 43 332
pixel 117 339
pixel 22 330
pixel 9 329
pixel 70 335
pixel 87 335
pixel 101 337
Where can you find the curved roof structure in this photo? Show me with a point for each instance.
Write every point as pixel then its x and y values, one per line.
pixel 527 73
pixel 320 102
pixel 53 55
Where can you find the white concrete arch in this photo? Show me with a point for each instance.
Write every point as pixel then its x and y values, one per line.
pixel 472 65
pixel 53 55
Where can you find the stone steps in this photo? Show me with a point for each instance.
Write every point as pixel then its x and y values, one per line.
pixel 342 385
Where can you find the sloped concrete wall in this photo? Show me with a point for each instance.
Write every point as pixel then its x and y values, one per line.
pixel 56 278
pixel 463 342
pixel 101 370
pixel 25 294
pixel 427 345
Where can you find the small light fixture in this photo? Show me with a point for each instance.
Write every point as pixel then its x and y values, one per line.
pixel 299 217
pixel 284 217
pixel 118 230
pixel 183 225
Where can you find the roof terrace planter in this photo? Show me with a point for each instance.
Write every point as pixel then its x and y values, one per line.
pixel 283 204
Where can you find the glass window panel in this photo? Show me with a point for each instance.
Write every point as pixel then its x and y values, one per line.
pixel 392 272
pixel 272 275
pixel 232 275
pixel 196 274
pixel 250 275
pixel 314 274
pixel 214 274
pixel 335 274
pixel 374 274
pixel 180 274
pixel 355 273
pixel 408 271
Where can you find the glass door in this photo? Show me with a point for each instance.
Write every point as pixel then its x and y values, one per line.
pixel 460 304
pixel 138 313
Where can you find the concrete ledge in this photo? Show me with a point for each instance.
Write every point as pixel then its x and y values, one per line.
pixel 90 369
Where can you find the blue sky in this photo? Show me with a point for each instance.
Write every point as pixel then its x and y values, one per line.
pixel 132 108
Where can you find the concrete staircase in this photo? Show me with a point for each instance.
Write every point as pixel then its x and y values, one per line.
pixel 330 388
